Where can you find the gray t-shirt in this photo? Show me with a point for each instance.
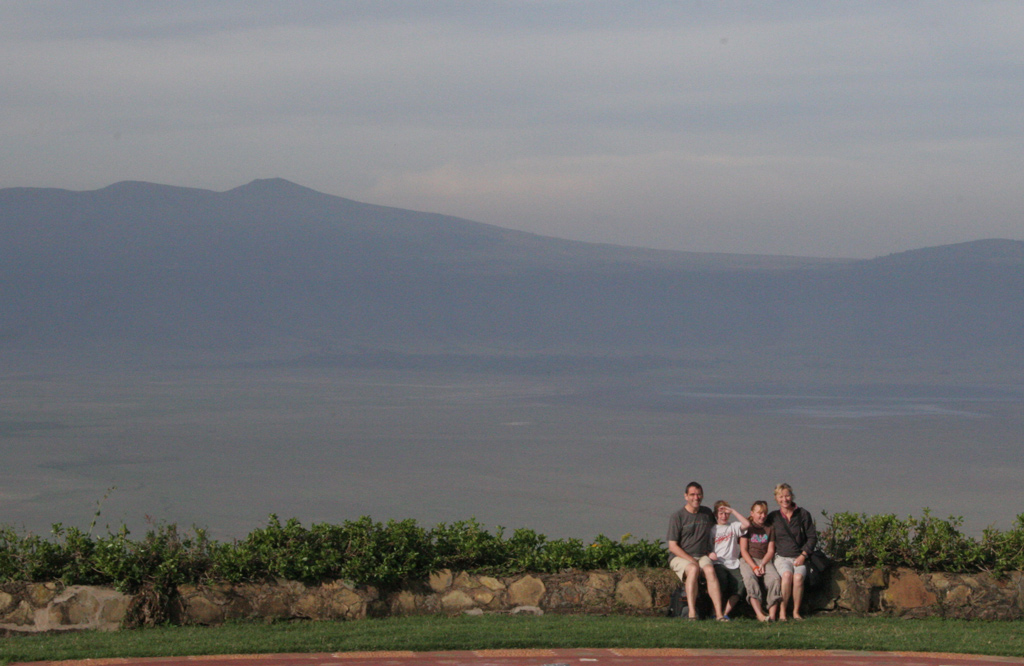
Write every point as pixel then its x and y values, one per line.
pixel 692 531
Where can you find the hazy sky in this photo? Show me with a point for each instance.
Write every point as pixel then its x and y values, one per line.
pixel 818 128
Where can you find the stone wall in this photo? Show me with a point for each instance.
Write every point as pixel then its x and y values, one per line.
pixel 908 593
pixel 49 606
pixel 30 607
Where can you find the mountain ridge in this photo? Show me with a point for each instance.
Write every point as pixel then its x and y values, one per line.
pixel 271 261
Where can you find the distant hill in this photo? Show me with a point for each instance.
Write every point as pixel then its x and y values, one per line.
pixel 992 251
pixel 273 263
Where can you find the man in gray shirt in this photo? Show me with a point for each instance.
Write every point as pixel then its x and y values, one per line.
pixel 689 542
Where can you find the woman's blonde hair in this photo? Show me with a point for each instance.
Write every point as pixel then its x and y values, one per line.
pixel 784 486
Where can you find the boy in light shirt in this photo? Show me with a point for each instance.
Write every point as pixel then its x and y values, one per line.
pixel 725 536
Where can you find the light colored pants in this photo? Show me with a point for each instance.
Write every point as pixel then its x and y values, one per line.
pixel 785 565
pixel 767 589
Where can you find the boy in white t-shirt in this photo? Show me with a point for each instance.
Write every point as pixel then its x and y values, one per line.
pixel 725 537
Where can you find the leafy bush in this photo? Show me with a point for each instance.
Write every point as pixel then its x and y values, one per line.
pixel 1005 549
pixel 466 546
pixel 867 541
pixel 926 543
pixel 367 552
pixel 938 545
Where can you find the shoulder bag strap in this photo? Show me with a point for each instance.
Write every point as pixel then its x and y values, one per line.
pixel 785 524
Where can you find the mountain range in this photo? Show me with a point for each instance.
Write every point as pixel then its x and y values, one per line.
pixel 273 264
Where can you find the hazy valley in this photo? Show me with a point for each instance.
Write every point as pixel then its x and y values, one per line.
pixel 221 356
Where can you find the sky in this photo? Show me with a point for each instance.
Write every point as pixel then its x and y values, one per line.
pixel 851 129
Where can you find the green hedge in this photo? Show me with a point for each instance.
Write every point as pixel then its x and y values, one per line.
pixel 362 551
pixel 925 544
pixel 368 552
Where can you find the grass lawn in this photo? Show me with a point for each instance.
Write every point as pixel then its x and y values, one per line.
pixel 550 631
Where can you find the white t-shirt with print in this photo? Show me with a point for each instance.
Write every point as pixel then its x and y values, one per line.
pixel 727 543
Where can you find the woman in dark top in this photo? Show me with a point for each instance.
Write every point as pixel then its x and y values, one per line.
pixel 795 538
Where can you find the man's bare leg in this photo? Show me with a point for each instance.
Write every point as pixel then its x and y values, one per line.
pixel 714 591
pixel 691 580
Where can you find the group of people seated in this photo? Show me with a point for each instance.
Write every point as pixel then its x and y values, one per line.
pixel 761 557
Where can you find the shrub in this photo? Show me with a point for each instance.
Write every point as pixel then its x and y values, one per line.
pixel 925 544
pixel 867 541
pixel 367 552
pixel 466 546
pixel 1005 549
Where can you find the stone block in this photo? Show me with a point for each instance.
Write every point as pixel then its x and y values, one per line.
pixel 7 602
pixel 23 615
pixel 238 606
pixel 563 592
pixel 457 600
pixel 87 607
pixel 852 596
pixel 527 610
pixel 54 616
pixel 76 606
pixel 308 606
pixel 907 592
pixel 601 582
pixel 201 610
pixel 492 584
pixel 275 605
pixel 527 591
pixel 633 593
pixel 440 581
pixel 958 596
pixel 347 604
pixel 876 578
pixel 40 594
pixel 406 602
pixel 113 611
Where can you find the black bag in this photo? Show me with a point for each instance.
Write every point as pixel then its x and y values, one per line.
pixel 817 564
pixel 677 603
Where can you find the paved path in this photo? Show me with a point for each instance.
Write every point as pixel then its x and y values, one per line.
pixel 612 657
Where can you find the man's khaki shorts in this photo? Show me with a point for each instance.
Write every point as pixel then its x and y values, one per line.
pixel 679 565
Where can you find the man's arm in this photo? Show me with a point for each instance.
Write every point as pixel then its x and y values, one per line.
pixel 673 547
